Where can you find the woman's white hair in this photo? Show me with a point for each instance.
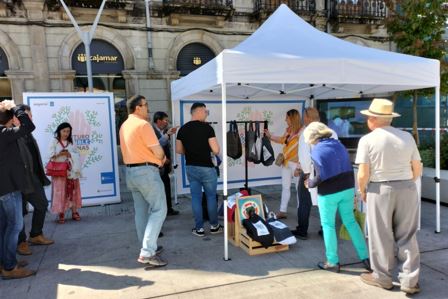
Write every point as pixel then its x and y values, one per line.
pixel 315 131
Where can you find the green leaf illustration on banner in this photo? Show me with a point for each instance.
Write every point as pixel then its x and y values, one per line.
pixel 91 117
pixel 58 118
pixel 92 158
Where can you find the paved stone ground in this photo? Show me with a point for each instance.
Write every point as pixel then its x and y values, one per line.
pixel 96 258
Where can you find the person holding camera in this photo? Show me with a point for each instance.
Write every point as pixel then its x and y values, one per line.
pixel 12 186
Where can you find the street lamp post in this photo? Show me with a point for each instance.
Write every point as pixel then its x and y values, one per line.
pixel 86 37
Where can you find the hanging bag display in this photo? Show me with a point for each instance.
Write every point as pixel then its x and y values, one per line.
pixel 258 144
pixel 267 152
pixel 251 139
pixel 234 147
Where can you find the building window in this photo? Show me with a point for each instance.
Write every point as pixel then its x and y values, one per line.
pixel 193 56
pixel 5 84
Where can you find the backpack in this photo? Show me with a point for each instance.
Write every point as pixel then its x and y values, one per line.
pixel 234 147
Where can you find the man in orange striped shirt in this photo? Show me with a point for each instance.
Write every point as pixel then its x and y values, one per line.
pixel 143 157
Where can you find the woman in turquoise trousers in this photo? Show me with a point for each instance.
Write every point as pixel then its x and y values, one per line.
pixel 335 184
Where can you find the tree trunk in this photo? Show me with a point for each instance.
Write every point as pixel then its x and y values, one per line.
pixel 414 118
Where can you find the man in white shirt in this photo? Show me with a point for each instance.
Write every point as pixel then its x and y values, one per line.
pixel 389 163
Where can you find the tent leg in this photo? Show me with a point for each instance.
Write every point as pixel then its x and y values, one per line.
pixel 224 166
pixel 437 178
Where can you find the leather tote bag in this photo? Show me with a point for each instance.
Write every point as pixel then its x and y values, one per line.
pixel 57 169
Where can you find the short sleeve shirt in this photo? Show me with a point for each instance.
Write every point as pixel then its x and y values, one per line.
pixel 194 136
pixel 389 152
pixel 136 138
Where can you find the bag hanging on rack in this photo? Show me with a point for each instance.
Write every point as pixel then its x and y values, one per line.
pixel 258 144
pixel 251 139
pixel 57 169
pixel 234 147
pixel 267 152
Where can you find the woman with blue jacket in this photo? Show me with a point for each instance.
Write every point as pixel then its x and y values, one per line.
pixel 335 184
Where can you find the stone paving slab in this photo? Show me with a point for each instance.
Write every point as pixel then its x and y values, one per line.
pixel 96 258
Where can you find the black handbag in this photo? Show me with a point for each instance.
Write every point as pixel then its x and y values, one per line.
pixel 251 139
pixel 234 147
pixel 267 152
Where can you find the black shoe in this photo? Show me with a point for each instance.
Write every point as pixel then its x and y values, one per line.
pixel 198 232
pixel 160 235
pixel 366 264
pixel 329 267
pixel 172 212
pixel 216 229
pixel 299 235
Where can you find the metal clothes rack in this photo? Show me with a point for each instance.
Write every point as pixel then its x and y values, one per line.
pixel 246 172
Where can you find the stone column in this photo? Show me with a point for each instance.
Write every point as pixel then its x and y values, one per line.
pixel 38 44
pixel 17 79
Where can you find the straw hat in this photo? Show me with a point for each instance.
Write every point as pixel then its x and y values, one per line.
pixel 381 108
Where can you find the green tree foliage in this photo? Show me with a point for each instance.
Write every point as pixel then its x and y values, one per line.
pixel 417 27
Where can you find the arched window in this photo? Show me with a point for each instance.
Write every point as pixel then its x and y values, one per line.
pixel 107 66
pixel 193 56
pixel 5 84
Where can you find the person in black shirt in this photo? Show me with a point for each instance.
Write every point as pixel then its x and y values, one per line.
pixel 197 141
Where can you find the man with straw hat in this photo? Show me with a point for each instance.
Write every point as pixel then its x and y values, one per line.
pixel 389 162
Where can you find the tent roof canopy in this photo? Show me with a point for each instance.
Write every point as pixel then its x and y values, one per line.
pixel 288 57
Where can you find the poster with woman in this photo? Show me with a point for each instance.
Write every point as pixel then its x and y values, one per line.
pixel 92 118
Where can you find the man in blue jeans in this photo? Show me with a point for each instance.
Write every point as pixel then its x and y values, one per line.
pixel 197 141
pixel 143 157
pixel 12 184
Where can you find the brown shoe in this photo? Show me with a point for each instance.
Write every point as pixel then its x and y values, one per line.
pixel 40 240
pixel 20 264
pixel 17 273
pixel 24 249
pixel 369 279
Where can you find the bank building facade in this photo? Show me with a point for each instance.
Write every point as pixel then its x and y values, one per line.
pixel 142 46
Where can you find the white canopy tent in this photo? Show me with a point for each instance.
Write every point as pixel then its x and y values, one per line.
pixel 288 57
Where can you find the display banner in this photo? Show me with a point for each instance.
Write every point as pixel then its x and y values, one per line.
pixel 272 111
pixel 92 118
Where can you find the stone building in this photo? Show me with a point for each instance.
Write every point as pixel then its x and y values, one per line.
pixel 141 46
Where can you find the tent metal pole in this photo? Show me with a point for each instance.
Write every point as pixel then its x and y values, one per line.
pixel 174 157
pixel 437 178
pixel 224 165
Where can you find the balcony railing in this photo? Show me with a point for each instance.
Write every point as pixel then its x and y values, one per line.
pixel 111 4
pixel 301 7
pixel 198 7
pixel 359 9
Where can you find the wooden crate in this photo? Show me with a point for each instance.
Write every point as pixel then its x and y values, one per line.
pixel 255 248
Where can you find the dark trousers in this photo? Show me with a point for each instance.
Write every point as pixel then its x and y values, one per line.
pixel 39 202
pixel 303 211
pixel 165 176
